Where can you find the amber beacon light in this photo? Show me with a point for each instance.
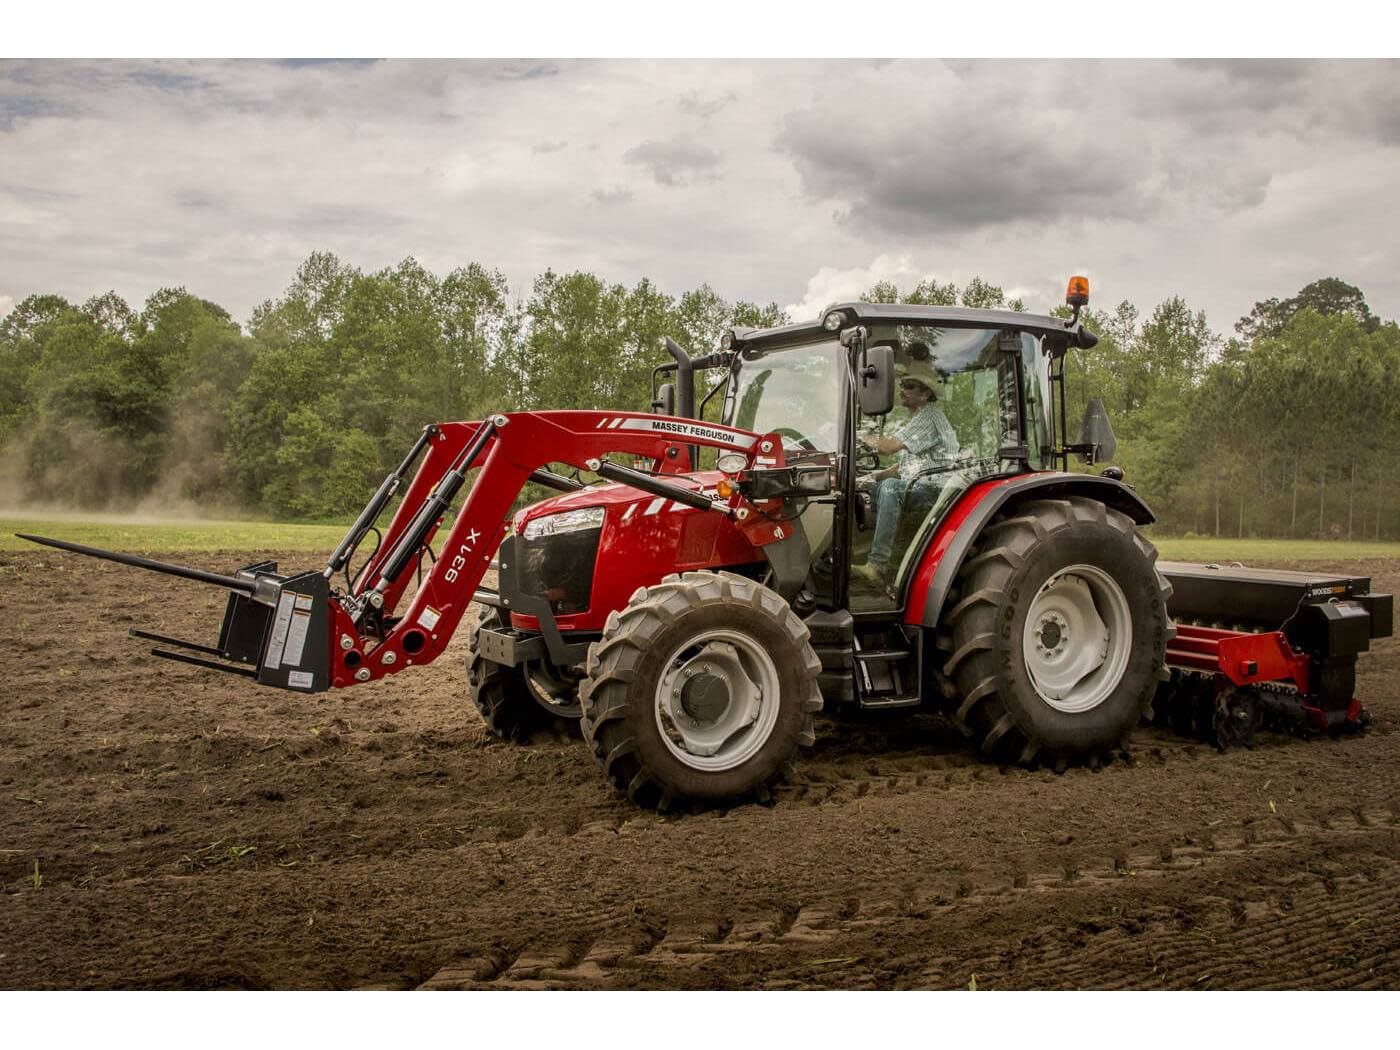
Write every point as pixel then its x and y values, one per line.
pixel 1078 292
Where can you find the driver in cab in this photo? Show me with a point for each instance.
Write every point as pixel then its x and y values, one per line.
pixel 925 441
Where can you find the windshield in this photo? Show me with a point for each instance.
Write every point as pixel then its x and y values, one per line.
pixel 794 393
pixel 957 419
pixel 973 383
pixel 967 399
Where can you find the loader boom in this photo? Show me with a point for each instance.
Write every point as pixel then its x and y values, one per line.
pixel 302 634
pixel 508 449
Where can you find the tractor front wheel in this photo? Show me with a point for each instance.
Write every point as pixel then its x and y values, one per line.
pixel 1058 634
pixel 701 689
pixel 515 702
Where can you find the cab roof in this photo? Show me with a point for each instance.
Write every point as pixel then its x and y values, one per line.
pixel 1074 333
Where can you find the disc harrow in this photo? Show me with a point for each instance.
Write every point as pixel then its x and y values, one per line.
pixel 1217 695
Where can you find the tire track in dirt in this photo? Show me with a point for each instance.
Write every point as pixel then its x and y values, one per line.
pixel 1268 939
pixel 839 779
pixel 618 949
pixel 417 767
pixel 836 779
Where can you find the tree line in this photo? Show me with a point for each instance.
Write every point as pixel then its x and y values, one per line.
pixel 300 414
pixel 1287 427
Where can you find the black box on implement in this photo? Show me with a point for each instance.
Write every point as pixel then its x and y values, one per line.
pixel 1312 608
pixel 1270 645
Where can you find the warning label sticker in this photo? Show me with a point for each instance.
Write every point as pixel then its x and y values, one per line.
pixel 429 617
pixel 280 625
pixel 304 602
pixel 296 638
pixel 300 680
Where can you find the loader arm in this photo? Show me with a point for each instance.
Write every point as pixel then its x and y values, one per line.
pixel 507 449
pixel 298 632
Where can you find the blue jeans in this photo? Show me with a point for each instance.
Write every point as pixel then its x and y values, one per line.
pixel 893 496
pixel 889 507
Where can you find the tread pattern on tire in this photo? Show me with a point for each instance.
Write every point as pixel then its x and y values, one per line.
pixel 968 648
pixel 628 633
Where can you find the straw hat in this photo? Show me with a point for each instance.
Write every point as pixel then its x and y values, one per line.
pixel 923 371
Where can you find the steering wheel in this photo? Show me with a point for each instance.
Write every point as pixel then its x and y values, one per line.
pixel 801 442
pixel 866 459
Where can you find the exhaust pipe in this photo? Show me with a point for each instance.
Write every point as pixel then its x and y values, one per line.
pixel 685 391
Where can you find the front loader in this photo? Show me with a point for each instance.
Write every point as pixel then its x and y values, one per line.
pixel 817 546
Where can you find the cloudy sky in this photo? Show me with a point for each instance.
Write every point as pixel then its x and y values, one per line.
pixel 799 181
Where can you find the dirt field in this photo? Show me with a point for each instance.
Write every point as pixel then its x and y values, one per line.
pixel 192 830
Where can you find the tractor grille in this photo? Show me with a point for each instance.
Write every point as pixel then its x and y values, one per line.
pixel 559 569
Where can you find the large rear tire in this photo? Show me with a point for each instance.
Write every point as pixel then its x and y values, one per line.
pixel 516 702
pixel 701 689
pixel 1058 633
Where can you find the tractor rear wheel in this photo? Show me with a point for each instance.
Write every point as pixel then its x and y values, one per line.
pixel 1058 634
pixel 701 689
pixel 515 702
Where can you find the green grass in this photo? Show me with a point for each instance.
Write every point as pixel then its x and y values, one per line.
pixel 136 535
pixel 1266 552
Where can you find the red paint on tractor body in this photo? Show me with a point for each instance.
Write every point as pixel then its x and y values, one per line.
pixel 644 538
pixel 947 531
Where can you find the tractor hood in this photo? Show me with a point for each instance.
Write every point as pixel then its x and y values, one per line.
pixel 610 495
pixel 591 567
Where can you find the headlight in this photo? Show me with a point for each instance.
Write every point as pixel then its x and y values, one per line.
pixel 565 521
pixel 732 462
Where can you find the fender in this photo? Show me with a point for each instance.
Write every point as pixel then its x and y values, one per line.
pixel 956 534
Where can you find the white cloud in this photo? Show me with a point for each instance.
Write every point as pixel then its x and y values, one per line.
pixel 832 285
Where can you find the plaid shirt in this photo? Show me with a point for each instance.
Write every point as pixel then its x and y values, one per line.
pixel 929 441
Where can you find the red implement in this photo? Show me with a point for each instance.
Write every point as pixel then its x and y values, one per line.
pixel 1242 657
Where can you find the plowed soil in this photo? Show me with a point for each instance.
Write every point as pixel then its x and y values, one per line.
pixel 193 830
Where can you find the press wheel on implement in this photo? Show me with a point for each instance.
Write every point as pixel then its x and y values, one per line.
pixel 516 702
pixel 701 688
pixel 1059 635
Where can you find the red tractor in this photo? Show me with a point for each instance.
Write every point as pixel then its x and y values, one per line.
pixel 842 550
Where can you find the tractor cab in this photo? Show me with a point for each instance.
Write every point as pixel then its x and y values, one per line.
pixel 912 406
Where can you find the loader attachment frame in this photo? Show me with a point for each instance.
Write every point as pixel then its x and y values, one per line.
pixel 297 632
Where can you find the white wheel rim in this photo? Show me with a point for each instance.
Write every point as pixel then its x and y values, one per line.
pixel 1077 638
pixel 717 700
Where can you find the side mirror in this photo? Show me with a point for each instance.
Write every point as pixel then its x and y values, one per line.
pixel 665 403
pixel 876 380
pixel 1097 432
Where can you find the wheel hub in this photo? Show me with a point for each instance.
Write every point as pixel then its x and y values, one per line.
pixel 1077 638
pixel 556 692
pixel 1054 633
pixel 705 696
pixel 717 700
